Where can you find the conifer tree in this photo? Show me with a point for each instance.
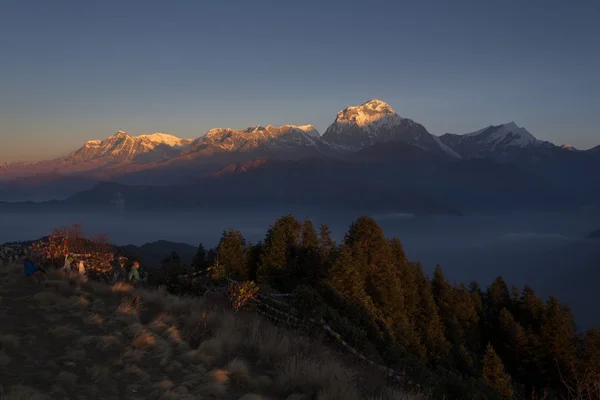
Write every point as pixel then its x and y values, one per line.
pixel 326 250
pixel 497 297
pixel 591 350
pixel 530 308
pixel 310 240
pixel 429 322
pixel 558 337
pixel 369 247
pixel 514 344
pixel 199 262
pixel 345 280
pixel 495 375
pixel 398 254
pixel 278 259
pixel 253 260
pixel 211 256
pixel 326 242
pixel 233 255
pixel 309 262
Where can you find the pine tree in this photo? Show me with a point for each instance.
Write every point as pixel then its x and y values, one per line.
pixel 443 294
pixel 494 374
pixel 309 263
pixel 326 251
pixel 199 262
pixel 530 309
pixel 254 259
pixel 233 255
pixel 558 337
pixel 429 323
pixel 326 243
pixel 514 344
pixel 497 297
pixel 310 240
pixel 345 280
pixel 278 259
pixel 369 246
pixel 591 350
pixel 398 254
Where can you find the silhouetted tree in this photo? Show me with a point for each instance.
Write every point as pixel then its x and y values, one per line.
pixel 199 262
pixel 233 255
pixel 278 258
pixel 495 375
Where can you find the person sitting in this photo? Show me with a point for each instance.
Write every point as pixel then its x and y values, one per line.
pixel 33 270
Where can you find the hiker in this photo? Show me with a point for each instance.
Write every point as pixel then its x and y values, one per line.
pixel 81 268
pixel 31 269
pixel 67 265
pixel 134 274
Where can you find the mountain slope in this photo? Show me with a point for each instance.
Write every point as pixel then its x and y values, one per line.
pixel 566 168
pixel 394 177
pixel 465 184
pixel 357 127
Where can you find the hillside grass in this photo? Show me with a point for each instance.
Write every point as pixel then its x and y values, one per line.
pixel 71 338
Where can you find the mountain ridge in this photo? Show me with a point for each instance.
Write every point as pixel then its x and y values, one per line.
pixel 371 131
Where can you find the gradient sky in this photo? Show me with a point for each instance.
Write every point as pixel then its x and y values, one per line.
pixel 72 71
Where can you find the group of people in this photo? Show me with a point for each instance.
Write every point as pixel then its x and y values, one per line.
pixel 12 253
pixel 134 275
pixel 71 264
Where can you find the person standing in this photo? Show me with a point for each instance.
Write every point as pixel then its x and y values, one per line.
pixel 81 268
pixel 134 274
pixel 67 265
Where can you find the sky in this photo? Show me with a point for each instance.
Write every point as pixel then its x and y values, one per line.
pixel 72 71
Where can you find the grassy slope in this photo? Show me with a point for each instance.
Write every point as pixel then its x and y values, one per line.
pixel 67 338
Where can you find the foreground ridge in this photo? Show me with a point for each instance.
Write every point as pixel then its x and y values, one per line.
pixel 121 342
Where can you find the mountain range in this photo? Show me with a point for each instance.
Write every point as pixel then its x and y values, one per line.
pixel 368 158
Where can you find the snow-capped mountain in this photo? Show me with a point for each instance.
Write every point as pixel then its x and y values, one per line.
pixel 375 121
pixel 115 151
pixel 284 141
pixel 122 147
pixel 492 141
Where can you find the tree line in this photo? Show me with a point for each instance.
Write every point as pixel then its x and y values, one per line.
pixel 458 340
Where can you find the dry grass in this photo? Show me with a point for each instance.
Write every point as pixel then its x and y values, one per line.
pixel 19 392
pixel 72 338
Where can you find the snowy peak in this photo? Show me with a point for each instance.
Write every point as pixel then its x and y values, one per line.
pixel 492 141
pixel 371 116
pixel 504 135
pixel 309 130
pixel 123 147
pixel 256 138
pixel 375 121
pixel 365 113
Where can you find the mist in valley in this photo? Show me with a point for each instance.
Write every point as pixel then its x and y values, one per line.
pixel 547 250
